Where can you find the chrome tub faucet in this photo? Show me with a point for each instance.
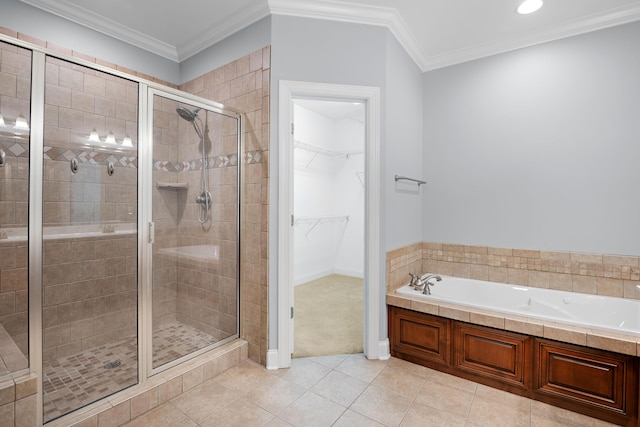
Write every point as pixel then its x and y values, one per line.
pixel 426 283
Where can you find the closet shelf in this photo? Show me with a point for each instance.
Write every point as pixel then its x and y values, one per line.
pixel 317 220
pixel 321 150
pixel 173 185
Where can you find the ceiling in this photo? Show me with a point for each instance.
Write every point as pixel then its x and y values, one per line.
pixel 334 110
pixel 435 33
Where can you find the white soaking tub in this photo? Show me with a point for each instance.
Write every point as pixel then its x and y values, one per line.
pixel 589 311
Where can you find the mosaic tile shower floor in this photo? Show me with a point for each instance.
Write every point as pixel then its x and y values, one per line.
pixel 74 381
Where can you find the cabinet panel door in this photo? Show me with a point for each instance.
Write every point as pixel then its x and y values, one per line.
pixel 419 335
pixel 586 376
pixel 492 353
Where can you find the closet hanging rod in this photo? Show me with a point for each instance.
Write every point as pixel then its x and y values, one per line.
pixel 419 181
pixel 322 150
pixel 315 221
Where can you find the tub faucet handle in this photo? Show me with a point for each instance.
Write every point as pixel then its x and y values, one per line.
pixel 425 281
pixel 415 281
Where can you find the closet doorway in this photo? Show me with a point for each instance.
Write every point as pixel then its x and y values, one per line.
pixel 328 226
pixel 374 346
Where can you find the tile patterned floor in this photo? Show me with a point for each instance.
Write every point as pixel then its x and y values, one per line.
pixel 351 391
pixel 74 381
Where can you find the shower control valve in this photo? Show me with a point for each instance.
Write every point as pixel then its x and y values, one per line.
pixel 204 198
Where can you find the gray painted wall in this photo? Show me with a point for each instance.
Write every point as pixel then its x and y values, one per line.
pixel 239 44
pixel 537 148
pixel 20 17
pixel 402 154
pixel 342 53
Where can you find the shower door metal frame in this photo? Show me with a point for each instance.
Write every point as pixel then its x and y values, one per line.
pixel 35 208
pixel 145 220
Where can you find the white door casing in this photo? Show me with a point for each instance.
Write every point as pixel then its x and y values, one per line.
pixel 371 97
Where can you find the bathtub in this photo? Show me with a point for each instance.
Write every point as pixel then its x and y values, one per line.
pixel 589 311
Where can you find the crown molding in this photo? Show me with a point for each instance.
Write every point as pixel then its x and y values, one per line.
pixel 356 14
pixel 89 19
pixel 332 10
pixel 573 28
pixel 233 24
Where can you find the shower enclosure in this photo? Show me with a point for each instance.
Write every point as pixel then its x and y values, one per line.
pixel 119 226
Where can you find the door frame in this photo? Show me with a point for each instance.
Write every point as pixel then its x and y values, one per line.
pixel 374 348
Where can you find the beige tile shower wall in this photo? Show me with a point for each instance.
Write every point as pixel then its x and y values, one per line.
pixel 78 101
pixel 601 274
pixel 89 284
pixel 15 93
pixel 90 293
pixel 207 291
pixel 14 302
pixel 244 84
pixel 166 211
pixel 206 298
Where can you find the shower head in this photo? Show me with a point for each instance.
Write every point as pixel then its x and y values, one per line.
pixel 186 114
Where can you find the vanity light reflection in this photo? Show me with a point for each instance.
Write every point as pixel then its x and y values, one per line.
pixel 110 140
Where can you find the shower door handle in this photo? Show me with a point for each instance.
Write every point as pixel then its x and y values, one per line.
pixel 152 232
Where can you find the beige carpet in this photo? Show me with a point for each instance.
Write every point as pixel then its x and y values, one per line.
pixel 329 316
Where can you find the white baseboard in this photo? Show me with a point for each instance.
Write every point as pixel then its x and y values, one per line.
pixel 272 360
pixel 351 273
pixel 384 351
pixel 309 277
pixel 314 276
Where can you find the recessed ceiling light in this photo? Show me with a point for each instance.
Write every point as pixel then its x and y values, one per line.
pixel 529 6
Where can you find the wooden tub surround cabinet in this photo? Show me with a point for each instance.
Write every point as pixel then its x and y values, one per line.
pixel 598 383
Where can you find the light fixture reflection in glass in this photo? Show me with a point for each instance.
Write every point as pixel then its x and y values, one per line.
pixel 21 123
pixel 2 123
pixel 111 139
pixel 93 136
pixel 529 6
pixel 126 142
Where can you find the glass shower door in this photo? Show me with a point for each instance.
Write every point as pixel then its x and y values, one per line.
pixel 89 272
pixel 15 107
pixel 195 215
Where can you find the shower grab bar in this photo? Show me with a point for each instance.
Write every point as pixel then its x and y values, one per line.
pixel 419 181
